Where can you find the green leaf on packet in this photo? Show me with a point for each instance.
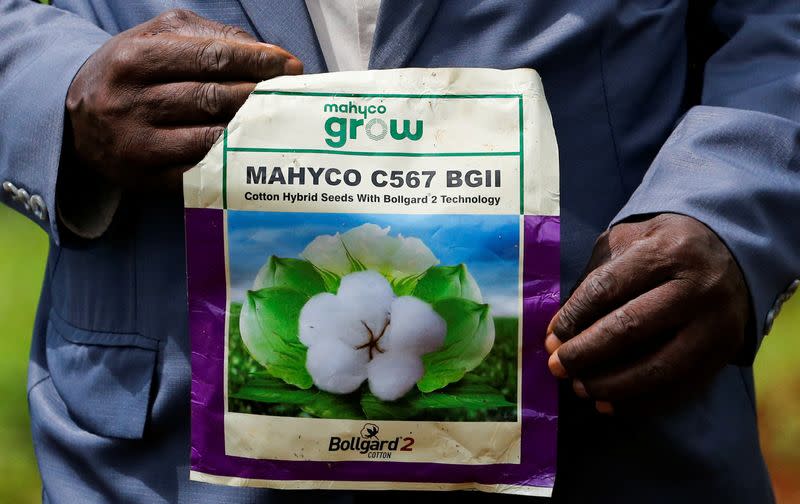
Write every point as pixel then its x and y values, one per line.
pixel 466 395
pixel 269 327
pixel 325 405
pixel 355 264
pixel 405 286
pixel 470 336
pixel 240 363
pixel 442 282
pixel 332 280
pixel 266 389
pixel 295 274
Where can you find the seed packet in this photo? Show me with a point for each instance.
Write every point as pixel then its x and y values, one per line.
pixel 373 258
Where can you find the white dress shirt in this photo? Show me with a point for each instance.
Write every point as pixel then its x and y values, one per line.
pixel 345 29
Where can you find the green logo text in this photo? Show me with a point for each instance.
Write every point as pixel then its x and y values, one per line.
pixel 339 129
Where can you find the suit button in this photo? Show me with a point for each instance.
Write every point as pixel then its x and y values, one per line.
pixel 38 207
pixel 9 187
pixel 34 204
pixel 24 198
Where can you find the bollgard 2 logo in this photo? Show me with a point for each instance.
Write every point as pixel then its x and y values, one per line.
pixel 369 430
pixel 370 444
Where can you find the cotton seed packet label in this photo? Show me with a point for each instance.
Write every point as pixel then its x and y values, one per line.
pixel 373 258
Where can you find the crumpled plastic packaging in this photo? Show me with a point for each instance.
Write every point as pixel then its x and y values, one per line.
pixel 372 262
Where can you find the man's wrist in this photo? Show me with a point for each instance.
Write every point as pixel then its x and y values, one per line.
pixel 85 202
pixel 750 339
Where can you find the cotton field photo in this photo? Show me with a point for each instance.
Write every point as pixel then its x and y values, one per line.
pixel 373 316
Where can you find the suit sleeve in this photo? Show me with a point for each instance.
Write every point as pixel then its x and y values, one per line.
pixel 733 162
pixel 41 50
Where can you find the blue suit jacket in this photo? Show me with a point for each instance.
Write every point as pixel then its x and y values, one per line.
pixel 109 372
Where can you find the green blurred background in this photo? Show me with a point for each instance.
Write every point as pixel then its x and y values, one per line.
pixel 23 250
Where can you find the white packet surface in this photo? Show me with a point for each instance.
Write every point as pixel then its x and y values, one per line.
pixel 372 262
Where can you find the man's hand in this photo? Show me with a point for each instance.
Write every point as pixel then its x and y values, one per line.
pixel 661 310
pixel 152 100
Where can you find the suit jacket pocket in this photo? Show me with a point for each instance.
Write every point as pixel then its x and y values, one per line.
pixel 103 378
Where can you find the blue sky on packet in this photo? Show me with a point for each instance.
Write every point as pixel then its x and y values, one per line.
pixel 487 244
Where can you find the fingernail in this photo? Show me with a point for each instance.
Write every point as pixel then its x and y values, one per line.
pixel 580 389
pixel 604 407
pixel 293 66
pixel 551 343
pixel 554 363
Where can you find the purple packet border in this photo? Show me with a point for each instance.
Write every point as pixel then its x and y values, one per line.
pixel 207 306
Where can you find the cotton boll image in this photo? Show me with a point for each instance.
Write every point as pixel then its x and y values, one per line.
pixel 360 308
pixel 328 317
pixel 365 286
pixel 335 367
pixel 367 297
pixel 393 374
pixel 415 327
pixel 364 333
pixel 373 315
pixel 319 319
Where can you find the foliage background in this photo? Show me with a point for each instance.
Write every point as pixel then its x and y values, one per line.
pixel 488 245
pixel 23 250
pixel 498 372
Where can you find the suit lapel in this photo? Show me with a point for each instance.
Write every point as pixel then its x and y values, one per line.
pixel 286 23
pixel 400 28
